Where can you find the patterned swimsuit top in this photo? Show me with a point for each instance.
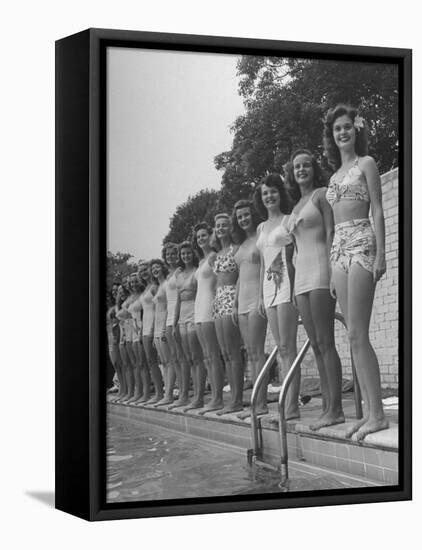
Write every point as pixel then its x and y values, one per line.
pixel 225 263
pixel 352 187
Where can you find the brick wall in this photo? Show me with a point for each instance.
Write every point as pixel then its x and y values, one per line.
pixel 384 320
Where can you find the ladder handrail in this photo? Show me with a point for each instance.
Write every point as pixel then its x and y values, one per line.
pixel 256 444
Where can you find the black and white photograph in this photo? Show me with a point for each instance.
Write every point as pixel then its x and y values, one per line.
pixel 252 275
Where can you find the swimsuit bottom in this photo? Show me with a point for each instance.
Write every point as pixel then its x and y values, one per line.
pixel 187 314
pixel 223 301
pixel 354 243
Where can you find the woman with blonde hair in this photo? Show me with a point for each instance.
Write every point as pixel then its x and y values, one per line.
pixel 358 250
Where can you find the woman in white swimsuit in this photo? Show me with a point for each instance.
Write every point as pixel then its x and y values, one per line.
pixel 186 286
pixel 253 326
pixel 170 254
pixel 205 328
pixel 148 322
pixel 228 335
pixel 159 274
pixel 125 337
pixel 358 251
pixel 311 224
pixel 277 278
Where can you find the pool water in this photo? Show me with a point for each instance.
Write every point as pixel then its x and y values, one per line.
pixel 146 464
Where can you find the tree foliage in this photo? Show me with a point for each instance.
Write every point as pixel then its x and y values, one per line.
pixel 200 207
pixel 118 265
pixel 286 101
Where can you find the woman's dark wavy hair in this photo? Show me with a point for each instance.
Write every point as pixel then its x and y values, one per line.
pixel 215 241
pixel 166 247
pixel 187 244
pixel 320 177
pixel 275 181
pixel 158 261
pixel 239 234
pixel 331 150
pixel 197 249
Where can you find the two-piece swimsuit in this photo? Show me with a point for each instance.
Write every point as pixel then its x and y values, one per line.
pixel 135 309
pixel 308 228
pixel 226 294
pixel 205 294
pixel 354 241
pixel 249 261
pixel 277 286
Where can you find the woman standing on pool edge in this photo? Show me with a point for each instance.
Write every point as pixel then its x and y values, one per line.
pixel 205 327
pixel 276 278
pixel 358 254
pixel 311 224
pixel 228 335
pixel 253 326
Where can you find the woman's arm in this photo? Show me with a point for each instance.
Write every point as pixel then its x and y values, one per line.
pixel 328 220
pixel 290 268
pixel 370 170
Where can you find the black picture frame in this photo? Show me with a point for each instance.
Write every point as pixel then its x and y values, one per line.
pixel 80 268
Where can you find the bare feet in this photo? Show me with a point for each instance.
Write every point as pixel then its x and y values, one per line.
pixel 327 420
pixel 248 413
pixel 155 399
pixel 212 406
pixel 370 427
pixel 230 409
pixel 133 399
pixel 179 403
pixel 164 401
pixel 356 427
pixel 194 405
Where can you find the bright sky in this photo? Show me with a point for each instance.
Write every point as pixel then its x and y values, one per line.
pixel 168 116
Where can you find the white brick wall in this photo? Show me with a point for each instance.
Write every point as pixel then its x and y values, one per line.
pixel 384 320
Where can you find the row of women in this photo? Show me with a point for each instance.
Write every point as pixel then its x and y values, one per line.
pixel 207 295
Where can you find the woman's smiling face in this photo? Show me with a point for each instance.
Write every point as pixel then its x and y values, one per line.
pixel 302 169
pixel 270 197
pixel 222 227
pixel 186 255
pixel 344 133
pixel 172 256
pixel 202 238
pixel 244 218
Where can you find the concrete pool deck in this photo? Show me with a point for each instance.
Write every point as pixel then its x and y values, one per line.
pixel 375 459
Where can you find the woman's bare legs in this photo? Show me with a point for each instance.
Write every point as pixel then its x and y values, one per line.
pixel 117 364
pixel 209 344
pixel 200 374
pixel 228 337
pixel 155 372
pixel 317 309
pixel 181 367
pixel 143 370
pixel 253 328
pixel 128 372
pixel 283 325
pixel 169 372
pixel 355 291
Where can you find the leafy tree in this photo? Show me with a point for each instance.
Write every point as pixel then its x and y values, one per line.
pixel 200 207
pixel 286 101
pixel 118 265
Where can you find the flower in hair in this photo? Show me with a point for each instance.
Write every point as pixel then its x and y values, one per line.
pixel 358 123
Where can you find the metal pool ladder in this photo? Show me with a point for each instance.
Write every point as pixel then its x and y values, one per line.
pixel 255 454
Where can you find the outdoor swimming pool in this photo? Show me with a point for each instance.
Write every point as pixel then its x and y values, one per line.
pixel 149 463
